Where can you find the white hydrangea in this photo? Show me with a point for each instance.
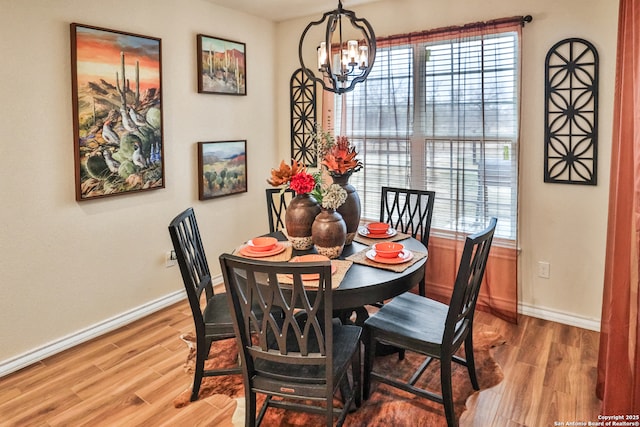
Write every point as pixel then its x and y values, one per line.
pixel 334 196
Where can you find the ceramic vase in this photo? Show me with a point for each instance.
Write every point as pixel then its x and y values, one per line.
pixel 329 232
pixel 350 209
pixel 298 219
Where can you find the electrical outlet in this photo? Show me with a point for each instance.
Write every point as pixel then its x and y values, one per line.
pixel 544 269
pixel 170 258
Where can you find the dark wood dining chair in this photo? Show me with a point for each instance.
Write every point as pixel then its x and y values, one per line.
pixel 433 329
pixel 409 211
pixel 211 317
pixel 302 355
pixel 277 202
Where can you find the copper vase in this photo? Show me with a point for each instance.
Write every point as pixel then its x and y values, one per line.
pixel 298 219
pixel 350 210
pixel 329 232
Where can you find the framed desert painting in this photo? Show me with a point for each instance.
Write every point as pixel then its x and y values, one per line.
pixel 117 112
pixel 222 168
pixel 221 66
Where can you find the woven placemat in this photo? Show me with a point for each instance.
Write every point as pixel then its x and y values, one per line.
pixel 367 241
pixel 282 256
pixel 361 258
pixel 342 266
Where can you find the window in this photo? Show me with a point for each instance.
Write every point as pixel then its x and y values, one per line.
pixel 441 115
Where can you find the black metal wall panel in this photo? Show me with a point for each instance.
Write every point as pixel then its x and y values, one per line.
pixel 303 118
pixel 571 113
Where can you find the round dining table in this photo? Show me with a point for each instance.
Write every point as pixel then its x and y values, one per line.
pixel 363 284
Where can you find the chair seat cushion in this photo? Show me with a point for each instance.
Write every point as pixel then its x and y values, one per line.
pixel 217 319
pixel 411 321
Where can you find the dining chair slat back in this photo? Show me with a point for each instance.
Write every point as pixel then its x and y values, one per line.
pixel 277 202
pixel 436 330
pixel 409 211
pixel 290 347
pixel 211 316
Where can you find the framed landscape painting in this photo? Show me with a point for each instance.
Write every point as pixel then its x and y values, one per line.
pixel 222 168
pixel 221 66
pixel 117 112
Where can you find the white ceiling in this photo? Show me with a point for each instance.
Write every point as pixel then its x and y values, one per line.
pixel 281 10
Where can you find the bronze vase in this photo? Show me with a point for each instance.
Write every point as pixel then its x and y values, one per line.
pixel 350 210
pixel 298 219
pixel 329 232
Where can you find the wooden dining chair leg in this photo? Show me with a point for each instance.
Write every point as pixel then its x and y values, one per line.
pixel 344 389
pixel 263 410
pixel 197 379
pixel 369 356
pixel 356 369
pixel 202 350
pixel 447 390
pixel 329 410
pixel 471 364
pixel 250 409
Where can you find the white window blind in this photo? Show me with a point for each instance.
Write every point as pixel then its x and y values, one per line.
pixel 441 116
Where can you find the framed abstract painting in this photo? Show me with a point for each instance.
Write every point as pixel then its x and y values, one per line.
pixel 222 168
pixel 117 112
pixel 221 66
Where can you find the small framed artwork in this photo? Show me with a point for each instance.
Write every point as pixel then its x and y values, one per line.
pixel 222 66
pixel 222 168
pixel 117 112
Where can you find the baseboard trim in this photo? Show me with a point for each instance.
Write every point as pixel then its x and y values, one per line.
pixel 94 331
pixel 560 317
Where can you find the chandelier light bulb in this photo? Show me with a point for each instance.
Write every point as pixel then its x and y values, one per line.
pixel 363 58
pixel 353 52
pixel 322 56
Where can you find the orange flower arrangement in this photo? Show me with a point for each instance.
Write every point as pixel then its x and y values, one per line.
pixel 338 154
pixel 341 157
pixel 283 174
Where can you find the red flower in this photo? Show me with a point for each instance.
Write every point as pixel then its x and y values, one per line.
pixel 302 183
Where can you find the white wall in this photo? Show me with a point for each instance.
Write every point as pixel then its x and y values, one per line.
pixel 66 265
pixel 564 225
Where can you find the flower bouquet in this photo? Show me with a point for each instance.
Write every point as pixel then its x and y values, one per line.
pixel 338 157
pixel 296 178
pixel 305 206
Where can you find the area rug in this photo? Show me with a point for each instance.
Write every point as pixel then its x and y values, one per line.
pixel 387 406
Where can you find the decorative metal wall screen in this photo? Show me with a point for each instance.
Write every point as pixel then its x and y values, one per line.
pixel 571 113
pixel 303 118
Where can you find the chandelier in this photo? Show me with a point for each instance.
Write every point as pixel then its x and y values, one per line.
pixel 346 53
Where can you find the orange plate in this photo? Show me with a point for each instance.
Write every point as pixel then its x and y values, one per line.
pixel 404 256
pixel 312 258
pixel 366 233
pixel 260 247
pixel 248 251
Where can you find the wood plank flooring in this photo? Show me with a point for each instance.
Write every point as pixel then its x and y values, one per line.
pixel 130 377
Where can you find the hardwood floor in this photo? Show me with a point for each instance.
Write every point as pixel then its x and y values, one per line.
pixel 130 377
